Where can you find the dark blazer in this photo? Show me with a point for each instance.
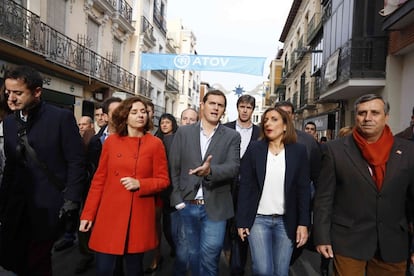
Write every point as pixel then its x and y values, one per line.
pixel 297 189
pixel 185 154
pixel 351 215
pixel 314 153
pixel 406 133
pixel 29 202
pixel 255 132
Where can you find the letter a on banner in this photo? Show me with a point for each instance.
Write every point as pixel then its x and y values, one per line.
pixel 243 65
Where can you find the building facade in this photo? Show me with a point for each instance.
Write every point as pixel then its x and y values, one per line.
pixel 334 51
pixel 81 48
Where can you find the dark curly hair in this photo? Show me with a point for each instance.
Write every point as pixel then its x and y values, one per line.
pixel 121 113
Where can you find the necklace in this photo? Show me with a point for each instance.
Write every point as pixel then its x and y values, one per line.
pixel 276 150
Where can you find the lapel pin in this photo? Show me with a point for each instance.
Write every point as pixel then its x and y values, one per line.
pixel 398 152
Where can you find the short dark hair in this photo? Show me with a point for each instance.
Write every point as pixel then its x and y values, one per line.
pixel 285 103
pixel 370 97
pixel 121 113
pixel 150 104
pixel 217 93
pixel 30 76
pixel 246 99
pixel 311 123
pixel 107 103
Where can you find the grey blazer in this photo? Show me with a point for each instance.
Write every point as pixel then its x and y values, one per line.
pixel 349 212
pixel 185 154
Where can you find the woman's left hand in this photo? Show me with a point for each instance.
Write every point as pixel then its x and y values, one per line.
pixel 301 235
pixel 130 184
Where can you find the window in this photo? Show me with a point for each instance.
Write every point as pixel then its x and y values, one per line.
pixel 93 35
pixel 116 52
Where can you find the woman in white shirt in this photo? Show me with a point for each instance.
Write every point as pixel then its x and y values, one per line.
pixel 273 209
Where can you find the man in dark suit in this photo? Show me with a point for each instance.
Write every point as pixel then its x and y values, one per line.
pixel 408 133
pixel 312 147
pixel 204 159
pixel 360 217
pixel 31 196
pixel 248 132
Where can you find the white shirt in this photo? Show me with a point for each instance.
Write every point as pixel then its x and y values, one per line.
pixel 273 195
pixel 204 143
pixel 246 136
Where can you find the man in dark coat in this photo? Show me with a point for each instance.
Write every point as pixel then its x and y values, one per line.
pixel 360 215
pixel 31 196
pixel 249 132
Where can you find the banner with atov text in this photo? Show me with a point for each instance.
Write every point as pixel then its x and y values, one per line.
pixel 243 65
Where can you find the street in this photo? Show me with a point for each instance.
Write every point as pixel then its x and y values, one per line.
pixel 64 264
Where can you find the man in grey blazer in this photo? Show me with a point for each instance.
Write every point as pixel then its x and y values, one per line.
pixel 204 160
pixel 360 217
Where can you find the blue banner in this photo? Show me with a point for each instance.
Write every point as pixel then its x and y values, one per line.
pixel 243 65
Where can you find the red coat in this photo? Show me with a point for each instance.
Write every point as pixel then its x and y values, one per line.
pixel 120 217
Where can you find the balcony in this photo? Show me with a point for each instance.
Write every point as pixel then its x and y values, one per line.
pixel 119 11
pixel 360 68
pixel 305 98
pixel 22 28
pixel 106 6
pixel 123 16
pixel 315 24
pixel 160 20
pixel 160 73
pixel 144 87
pixel 147 30
pixel 171 85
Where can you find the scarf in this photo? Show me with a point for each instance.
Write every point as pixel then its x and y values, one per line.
pixel 376 154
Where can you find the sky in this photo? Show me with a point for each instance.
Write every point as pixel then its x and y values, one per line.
pixel 233 28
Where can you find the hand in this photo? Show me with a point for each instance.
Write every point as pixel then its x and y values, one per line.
pixel 412 258
pixel 325 250
pixel 301 235
pixel 243 233
pixel 85 225
pixel 69 208
pixel 204 169
pixel 130 184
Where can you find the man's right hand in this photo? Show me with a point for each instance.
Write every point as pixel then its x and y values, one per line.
pixel 325 250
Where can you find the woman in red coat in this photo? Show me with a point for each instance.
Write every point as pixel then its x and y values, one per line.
pixel 120 207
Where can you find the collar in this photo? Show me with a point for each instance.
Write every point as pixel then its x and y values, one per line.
pixel 241 127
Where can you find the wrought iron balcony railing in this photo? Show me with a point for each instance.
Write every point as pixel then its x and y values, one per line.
pixel 24 29
pixel 144 87
pixel 172 84
pixel 125 10
pixel 159 20
pixel 314 25
pixel 360 58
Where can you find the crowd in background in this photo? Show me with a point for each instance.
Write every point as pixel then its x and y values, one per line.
pixel 116 184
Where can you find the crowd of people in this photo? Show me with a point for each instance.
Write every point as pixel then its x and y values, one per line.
pixel 237 188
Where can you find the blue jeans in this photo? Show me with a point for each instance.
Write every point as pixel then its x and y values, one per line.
pixel 181 247
pixel 105 264
pixel 270 247
pixel 204 238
